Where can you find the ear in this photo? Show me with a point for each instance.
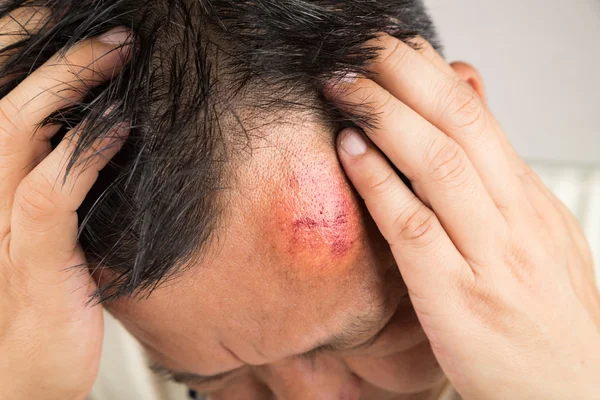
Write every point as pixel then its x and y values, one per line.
pixel 469 74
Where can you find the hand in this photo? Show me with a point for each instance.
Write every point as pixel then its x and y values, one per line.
pixel 50 337
pixel 497 268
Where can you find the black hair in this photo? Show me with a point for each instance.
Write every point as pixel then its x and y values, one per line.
pixel 154 206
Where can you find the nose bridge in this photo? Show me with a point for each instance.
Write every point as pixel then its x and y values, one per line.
pixel 320 377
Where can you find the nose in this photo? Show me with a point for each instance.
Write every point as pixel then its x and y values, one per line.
pixel 319 377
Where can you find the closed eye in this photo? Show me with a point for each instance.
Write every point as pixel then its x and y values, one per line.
pixel 189 378
pixel 333 347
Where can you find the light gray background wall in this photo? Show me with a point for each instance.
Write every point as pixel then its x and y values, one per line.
pixel 541 63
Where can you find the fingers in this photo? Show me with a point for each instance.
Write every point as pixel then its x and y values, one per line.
pixel 63 81
pixel 16 27
pixel 426 50
pixel 19 25
pixel 419 81
pixel 436 165
pixel 427 258
pixel 44 216
pixel 60 82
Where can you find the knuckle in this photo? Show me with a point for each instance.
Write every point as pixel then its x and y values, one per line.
pixel 447 162
pixel 384 108
pixel 416 225
pixel 520 261
pixel 83 74
pixel 464 108
pixel 32 199
pixel 6 265
pixel 396 54
pixel 9 128
pixel 67 92
pixel 530 178
pixel 492 306
pixel 85 64
pixel 379 185
pixel 7 143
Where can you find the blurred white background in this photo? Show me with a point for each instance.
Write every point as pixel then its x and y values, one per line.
pixel 540 60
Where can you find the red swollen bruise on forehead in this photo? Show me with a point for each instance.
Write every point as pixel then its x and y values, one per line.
pixel 317 214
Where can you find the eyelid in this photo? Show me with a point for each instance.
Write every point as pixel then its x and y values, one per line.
pixel 316 351
pixel 190 378
pixel 209 380
pixel 369 342
pixel 321 349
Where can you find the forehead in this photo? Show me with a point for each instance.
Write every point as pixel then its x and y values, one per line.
pixel 291 263
pixel 299 199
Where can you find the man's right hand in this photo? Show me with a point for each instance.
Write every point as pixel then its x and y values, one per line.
pixel 50 337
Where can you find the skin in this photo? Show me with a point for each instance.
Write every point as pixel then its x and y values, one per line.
pixel 297 243
pixel 461 279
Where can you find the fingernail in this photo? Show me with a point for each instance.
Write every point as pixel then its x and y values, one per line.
pixel 353 142
pixel 348 77
pixel 339 81
pixel 118 35
pixel 343 78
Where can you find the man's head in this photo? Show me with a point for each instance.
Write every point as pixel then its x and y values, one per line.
pixel 225 236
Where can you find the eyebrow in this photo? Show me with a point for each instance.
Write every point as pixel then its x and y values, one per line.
pixel 345 340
